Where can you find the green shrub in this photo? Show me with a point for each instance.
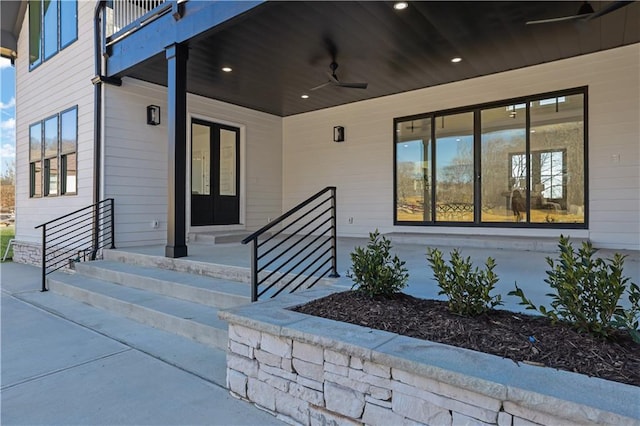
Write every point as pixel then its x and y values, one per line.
pixel 467 289
pixel 374 271
pixel 588 291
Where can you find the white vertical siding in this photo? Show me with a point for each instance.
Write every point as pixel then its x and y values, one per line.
pixel 136 162
pixel 55 85
pixel 362 166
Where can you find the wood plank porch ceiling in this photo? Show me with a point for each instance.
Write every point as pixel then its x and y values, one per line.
pixel 280 50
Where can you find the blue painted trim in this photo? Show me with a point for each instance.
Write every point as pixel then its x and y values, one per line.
pixel 153 38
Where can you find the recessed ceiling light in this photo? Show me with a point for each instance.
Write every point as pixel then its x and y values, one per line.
pixel 456 59
pixel 400 5
pixel 227 69
pixel 305 96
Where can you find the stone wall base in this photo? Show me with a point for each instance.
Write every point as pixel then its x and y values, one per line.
pixel 313 371
pixel 27 252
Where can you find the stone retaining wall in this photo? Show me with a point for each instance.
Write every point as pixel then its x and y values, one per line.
pixel 315 372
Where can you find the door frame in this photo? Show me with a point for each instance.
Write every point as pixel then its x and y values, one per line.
pixel 242 175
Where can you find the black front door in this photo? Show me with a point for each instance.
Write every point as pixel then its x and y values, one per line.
pixel 215 174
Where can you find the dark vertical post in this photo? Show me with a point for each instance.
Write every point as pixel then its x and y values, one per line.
pixel 95 231
pixel 334 236
pixel 44 258
pixel 254 270
pixel 113 223
pixel 176 55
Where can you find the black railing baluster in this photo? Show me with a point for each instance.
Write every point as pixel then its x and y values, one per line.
pixel 334 237
pixel 44 257
pixel 308 225
pixel 113 224
pixel 82 231
pixel 254 270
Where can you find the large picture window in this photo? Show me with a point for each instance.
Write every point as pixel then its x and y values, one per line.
pixel 53 25
pixel 53 150
pixel 513 163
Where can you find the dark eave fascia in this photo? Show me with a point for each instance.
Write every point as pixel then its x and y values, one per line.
pixel 12 17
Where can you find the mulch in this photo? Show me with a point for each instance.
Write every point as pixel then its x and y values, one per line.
pixel 516 336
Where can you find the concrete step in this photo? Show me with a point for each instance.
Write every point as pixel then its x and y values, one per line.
pixel 214 292
pixel 219 237
pixel 188 265
pixel 539 243
pixel 196 267
pixel 192 320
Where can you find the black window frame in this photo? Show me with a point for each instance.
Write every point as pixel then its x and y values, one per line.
pixel 42 58
pixel 477 109
pixel 60 158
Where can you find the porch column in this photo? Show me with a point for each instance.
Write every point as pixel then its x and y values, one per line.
pixel 176 55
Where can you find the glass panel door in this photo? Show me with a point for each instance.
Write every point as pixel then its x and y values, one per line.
pixel 200 160
pixel 215 183
pixel 454 168
pixel 413 170
pixel 503 164
pixel 557 160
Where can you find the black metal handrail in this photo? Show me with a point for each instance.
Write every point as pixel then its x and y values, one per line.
pixel 76 236
pixel 306 241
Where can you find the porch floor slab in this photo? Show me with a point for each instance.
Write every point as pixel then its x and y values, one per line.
pixel 527 268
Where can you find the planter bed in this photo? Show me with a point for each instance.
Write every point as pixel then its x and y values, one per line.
pixel 316 371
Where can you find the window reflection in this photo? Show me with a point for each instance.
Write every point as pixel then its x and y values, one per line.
pixel 454 168
pixel 529 157
pixel 503 131
pixel 413 170
pixel 557 160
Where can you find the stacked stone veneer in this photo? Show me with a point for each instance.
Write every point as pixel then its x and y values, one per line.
pixel 31 254
pixel 315 380
pixel 26 252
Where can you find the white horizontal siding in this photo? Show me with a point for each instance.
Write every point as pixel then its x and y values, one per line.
pixel 59 83
pixel 362 166
pixel 136 161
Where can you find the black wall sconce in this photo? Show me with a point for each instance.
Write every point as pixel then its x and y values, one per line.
pixel 153 115
pixel 338 134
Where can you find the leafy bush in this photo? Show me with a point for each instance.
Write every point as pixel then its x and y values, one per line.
pixel 467 289
pixel 374 271
pixel 588 291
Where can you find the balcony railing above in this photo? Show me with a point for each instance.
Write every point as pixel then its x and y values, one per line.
pixel 126 16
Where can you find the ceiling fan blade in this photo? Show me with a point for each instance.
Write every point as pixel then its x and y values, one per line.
pixel 560 19
pixel 609 8
pixel 322 85
pixel 353 85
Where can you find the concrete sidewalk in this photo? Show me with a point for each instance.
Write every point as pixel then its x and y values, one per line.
pixel 67 363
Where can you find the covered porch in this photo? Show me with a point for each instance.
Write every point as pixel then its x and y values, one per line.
pixel 272 59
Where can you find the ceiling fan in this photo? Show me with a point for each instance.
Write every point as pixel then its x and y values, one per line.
pixel 334 81
pixel 585 12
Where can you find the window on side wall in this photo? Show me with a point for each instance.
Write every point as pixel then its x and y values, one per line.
pixel 53 150
pixel 53 25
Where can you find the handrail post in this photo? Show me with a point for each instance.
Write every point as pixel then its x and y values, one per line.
pixel 44 258
pixel 96 226
pixel 113 227
pixel 254 270
pixel 334 236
